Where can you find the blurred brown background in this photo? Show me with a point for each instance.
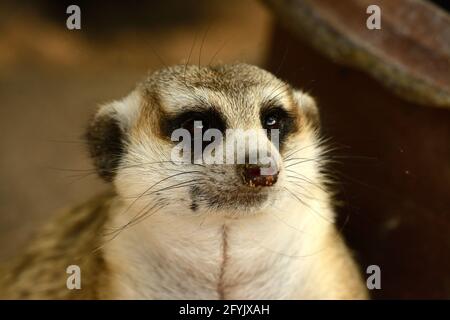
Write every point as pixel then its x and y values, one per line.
pixel 394 156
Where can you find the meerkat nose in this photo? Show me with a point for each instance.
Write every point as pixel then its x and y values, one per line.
pixel 253 176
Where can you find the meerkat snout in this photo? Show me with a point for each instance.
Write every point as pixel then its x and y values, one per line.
pixel 254 176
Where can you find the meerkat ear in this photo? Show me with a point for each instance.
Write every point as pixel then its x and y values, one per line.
pixel 107 134
pixel 308 106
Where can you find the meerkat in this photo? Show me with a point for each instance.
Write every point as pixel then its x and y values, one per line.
pixel 196 231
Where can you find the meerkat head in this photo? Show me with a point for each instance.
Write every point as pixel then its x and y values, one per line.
pixel 135 142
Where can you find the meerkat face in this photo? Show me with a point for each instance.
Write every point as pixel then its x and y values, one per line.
pixel 132 141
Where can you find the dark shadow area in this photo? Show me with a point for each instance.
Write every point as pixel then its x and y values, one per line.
pixel 103 18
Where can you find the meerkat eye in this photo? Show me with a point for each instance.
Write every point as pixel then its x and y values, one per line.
pixel 273 119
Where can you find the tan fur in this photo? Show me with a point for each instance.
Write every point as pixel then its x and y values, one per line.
pixel 285 247
pixel 71 238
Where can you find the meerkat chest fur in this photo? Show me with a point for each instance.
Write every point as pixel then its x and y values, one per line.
pixel 215 257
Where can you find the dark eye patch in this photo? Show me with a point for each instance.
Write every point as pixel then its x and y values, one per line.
pixel 276 117
pixel 210 119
